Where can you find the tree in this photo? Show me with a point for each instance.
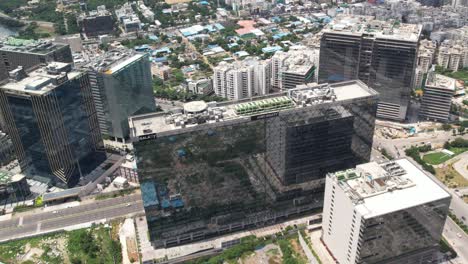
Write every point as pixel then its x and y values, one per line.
pixel 446 127
pixel 461 130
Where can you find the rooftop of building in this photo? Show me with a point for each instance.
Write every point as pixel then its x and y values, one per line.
pixel 239 65
pixel 378 189
pixel 195 113
pixel 112 61
pixel 41 80
pixel 358 25
pixel 29 46
pixel 441 81
pixel 7 177
pixel 298 60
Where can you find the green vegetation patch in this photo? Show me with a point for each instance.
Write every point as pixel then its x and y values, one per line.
pixel 93 245
pixel 437 158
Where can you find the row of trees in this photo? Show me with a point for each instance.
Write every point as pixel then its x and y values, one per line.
pixel 414 153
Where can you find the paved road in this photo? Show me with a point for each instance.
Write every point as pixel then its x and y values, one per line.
pixel 461 166
pixel 457 239
pixel 28 224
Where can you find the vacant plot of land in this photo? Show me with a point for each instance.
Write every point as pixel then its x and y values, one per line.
pixel 46 249
pixel 94 245
pixel 450 177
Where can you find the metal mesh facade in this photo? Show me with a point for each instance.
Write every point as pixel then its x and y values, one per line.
pixel 212 179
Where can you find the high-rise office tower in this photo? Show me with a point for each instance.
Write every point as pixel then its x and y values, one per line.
pixel 30 53
pixel 214 168
pixel 437 97
pixel 379 53
pixel 242 79
pixel 51 119
pixel 383 213
pixel 122 86
pixel 294 67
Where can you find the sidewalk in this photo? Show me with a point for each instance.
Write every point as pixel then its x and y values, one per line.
pixel 319 248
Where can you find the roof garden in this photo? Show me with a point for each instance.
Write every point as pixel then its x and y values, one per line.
pixel 265 105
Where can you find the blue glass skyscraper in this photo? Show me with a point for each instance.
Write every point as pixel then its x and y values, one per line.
pixel 51 119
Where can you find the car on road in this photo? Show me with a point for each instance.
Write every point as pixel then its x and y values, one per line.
pixel 127 205
pixel 54 212
pixel 459 235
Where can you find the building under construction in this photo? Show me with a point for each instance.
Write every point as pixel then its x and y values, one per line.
pixel 209 169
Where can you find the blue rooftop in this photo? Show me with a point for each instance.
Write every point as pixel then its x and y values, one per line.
pixel 153 38
pixel 148 193
pixel 143 47
pixel 160 59
pixel 280 35
pixel 161 50
pixel 271 49
pixel 219 26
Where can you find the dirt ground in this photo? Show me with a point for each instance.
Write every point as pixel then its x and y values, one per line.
pixel 270 254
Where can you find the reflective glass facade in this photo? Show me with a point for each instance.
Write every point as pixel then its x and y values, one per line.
pixel 386 65
pixel 55 134
pixel 408 236
pixel 217 178
pixel 123 93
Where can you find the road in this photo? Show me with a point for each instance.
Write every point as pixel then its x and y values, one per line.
pixel 396 147
pixel 27 224
pixel 457 239
pixel 461 166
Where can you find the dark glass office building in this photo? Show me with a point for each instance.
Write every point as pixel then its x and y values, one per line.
pixel 215 168
pixel 382 54
pixel 122 86
pixel 52 121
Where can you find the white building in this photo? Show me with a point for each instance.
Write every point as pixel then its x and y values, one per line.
pixel 453 55
pixel 297 66
pixel 425 59
pixel 242 79
pixel 388 213
pixel 128 18
pixel 145 11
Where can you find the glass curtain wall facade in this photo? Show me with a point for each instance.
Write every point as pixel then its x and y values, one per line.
pixel 55 134
pixel 217 178
pixel 386 65
pixel 408 236
pixel 123 93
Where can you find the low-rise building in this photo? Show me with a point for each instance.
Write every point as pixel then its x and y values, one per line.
pixel 97 22
pixel 200 86
pixel 13 187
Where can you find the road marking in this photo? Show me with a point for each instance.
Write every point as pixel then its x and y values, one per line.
pixel 20 221
pixel 38 229
pixel 89 213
